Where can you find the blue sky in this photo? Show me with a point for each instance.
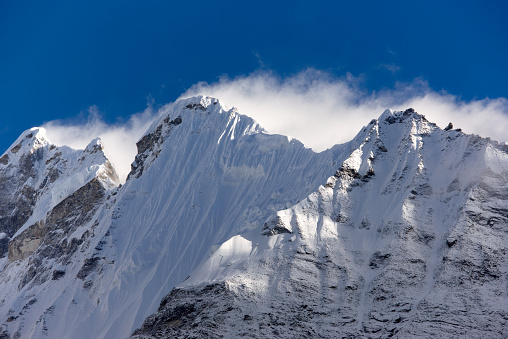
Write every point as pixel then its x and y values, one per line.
pixel 59 58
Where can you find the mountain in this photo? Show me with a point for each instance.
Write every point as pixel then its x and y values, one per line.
pixel 36 175
pixel 203 174
pixel 408 238
pixel 399 232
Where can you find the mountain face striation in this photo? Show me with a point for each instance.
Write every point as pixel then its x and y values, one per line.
pixel 408 238
pixel 400 232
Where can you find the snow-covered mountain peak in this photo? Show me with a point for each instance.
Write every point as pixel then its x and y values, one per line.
pixel 200 116
pixel 202 174
pixel 405 132
pixel 408 238
pixel 94 146
pixel 35 136
pixel 398 232
pixel 391 116
pixel 410 118
pixel 27 143
pixel 200 102
pixel 210 109
pixel 36 175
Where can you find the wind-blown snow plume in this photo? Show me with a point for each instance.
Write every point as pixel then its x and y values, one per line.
pixel 322 110
pixel 119 139
pixel 313 106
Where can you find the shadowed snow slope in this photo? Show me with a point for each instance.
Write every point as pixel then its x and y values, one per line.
pixel 408 238
pixel 203 173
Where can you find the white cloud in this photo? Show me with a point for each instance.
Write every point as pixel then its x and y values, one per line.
pixel 391 67
pixel 322 110
pixel 119 139
pixel 313 106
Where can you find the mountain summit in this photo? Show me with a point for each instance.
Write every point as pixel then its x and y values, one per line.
pixel 399 232
pixel 407 238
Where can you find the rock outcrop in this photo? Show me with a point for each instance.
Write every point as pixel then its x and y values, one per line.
pixel 74 211
pixel 38 175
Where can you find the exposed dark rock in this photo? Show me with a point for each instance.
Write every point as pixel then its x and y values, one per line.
pixel 87 284
pixel 341 218
pixel 148 144
pixel 177 317
pixel 30 303
pixel 27 242
pixel 451 242
pixel 57 274
pixel 365 224
pixel 399 117
pixel 379 260
pixel 73 211
pixel 196 106
pixel 11 318
pixel 90 265
pixel 18 198
pixel 15 207
pixel 275 226
pixel 16 148
pixel 100 245
pixel 347 172
pixel 368 175
pixel 28 276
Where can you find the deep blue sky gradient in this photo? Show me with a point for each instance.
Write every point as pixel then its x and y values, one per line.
pixel 57 58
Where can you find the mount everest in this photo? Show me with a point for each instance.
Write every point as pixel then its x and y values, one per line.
pixel 400 232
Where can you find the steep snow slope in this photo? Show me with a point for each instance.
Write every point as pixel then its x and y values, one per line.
pixel 408 239
pixel 203 173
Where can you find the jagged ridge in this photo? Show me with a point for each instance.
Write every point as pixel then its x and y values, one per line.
pixel 204 172
pixel 386 247
pixel 408 238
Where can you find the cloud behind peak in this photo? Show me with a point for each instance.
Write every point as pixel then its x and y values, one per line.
pixel 313 106
pixel 321 109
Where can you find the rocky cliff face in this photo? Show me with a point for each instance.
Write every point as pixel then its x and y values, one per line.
pixel 408 238
pixel 36 175
pixel 50 193
pixel 17 167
